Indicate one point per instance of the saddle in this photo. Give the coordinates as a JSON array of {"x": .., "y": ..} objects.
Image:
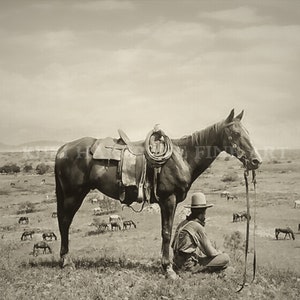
[{"x": 133, "y": 158}]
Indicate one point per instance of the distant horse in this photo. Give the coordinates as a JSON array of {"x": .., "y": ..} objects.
[
  {"x": 115, "y": 222},
  {"x": 240, "y": 216},
  {"x": 115, "y": 226},
  {"x": 97, "y": 211},
  {"x": 224, "y": 194},
  {"x": 297, "y": 203},
  {"x": 77, "y": 172},
  {"x": 128, "y": 224},
  {"x": 49, "y": 236},
  {"x": 41, "y": 245},
  {"x": 231, "y": 197},
  {"x": 27, "y": 234},
  {"x": 101, "y": 225},
  {"x": 23, "y": 220},
  {"x": 94, "y": 201},
  {"x": 288, "y": 231}
]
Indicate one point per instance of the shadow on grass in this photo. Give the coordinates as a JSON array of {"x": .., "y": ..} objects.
[
  {"x": 150, "y": 266},
  {"x": 96, "y": 232}
]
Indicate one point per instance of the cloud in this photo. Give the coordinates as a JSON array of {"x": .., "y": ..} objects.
[
  {"x": 95, "y": 5},
  {"x": 170, "y": 33},
  {"x": 240, "y": 15}
]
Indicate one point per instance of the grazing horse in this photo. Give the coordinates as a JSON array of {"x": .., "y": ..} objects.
[
  {"x": 115, "y": 221},
  {"x": 100, "y": 225},
  {"x": 240, "y": 216},
  {"x": 231, "y": 197},
  {"x": 297, "y": 203},
  {"x": 128, "y": 224},
  {"x": 97, "y": 211},
  {"x": 41, "y": 245},
  {"x": 76, "y": 173},
  {"x": 288, "y": 231},
  {"x": 49, "y": 236},
  {"x": 27, "y": 234},
  {"x": 23, "y": 220}
]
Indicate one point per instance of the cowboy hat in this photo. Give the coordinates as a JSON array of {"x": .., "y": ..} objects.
[{"x": 198, "y": 201}]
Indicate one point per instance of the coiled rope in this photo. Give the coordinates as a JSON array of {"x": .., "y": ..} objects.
[{"x": 157, "y": 159}]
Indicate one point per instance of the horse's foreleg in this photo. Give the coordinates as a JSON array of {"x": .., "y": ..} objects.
[{"x": 167, "y": 207}]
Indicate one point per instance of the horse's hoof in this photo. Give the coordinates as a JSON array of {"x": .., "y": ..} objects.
[
  {"x": 67, "y": 263},
  {"x": 171, "y": 274}
]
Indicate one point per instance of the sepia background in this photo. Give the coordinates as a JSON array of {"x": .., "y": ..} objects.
[
  {"x": 75, "y": 68},
  {"x": 86, "y": 68}
]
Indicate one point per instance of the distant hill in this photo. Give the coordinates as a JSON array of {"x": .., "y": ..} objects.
[{"x": 32, "y": 146}]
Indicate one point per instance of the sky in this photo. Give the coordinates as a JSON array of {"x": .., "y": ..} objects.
[{"x": 74, "y": 68}]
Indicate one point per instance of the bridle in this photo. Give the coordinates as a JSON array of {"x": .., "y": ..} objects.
[
  {"x": 237, "y": 151},
  {"x": 246, "y": 174}
]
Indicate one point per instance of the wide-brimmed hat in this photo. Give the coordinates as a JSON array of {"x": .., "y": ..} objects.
[{"x": 198, "y": 201}]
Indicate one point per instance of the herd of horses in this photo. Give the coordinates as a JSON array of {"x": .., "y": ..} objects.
[
  {"x": 28, "y": 235},
  {"x": 114, "y": 223}
]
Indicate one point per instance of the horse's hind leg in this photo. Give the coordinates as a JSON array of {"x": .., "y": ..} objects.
[{"x": 66, "y": 209}]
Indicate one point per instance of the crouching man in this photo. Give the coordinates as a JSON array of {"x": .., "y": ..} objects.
[{"x": 193, "y": 250}]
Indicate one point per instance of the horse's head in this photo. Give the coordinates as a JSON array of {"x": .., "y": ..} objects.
[{"x": 236, "y": 141}]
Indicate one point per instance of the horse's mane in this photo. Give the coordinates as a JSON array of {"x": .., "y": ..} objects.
[{"x": 200, "y": 138}]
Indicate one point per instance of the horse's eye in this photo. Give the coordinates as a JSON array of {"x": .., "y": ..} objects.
[{"x": 236, "y": 134}]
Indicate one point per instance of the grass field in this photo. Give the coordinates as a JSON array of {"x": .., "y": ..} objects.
[{"x": 126, "y": 264}]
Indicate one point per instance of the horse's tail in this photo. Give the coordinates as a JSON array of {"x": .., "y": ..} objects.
[
  {"x": 276, "y": 233},
  {"x": 58, "y": 189}
]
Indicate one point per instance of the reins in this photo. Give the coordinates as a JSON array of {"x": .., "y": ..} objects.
[
  {"x": 136, "y": 211},
  {"x": 246, "y": 174}
]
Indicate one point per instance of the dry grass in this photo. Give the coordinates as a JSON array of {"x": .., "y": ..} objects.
[{"x": 126, "y": 264}]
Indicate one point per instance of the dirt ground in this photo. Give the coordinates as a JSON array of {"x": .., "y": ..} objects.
[{"x": 277, "y": 189}]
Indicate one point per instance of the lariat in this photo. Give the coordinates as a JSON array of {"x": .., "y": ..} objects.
[{"x": 246, "y": 174}]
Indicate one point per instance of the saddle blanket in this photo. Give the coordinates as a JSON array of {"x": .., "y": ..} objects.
[{"x": 129, "y": 169}]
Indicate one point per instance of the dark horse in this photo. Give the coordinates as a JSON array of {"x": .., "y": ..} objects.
[
  {"x": 27, "y": 234},
  {"x": 41, "y": 245},
  {"x": 49, "y": 236},
  {"x": 240, "y": 216},
  {"x": 128, "y": 224},
  {"x": 288, "y": 231},
  {"x": 76, "y": 173}
]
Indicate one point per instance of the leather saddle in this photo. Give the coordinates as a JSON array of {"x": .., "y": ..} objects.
[{"x": 133, "y": 159}]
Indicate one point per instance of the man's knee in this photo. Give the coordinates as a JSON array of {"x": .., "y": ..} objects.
[{"x": 220, "y": 261}]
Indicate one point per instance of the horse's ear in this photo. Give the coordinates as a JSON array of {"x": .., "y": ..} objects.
[
  {"x": 239, "y": 117},
  {"x": 230, "y": 117}
]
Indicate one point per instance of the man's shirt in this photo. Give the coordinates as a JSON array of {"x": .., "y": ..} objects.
[{"x": 190, "y": 238}]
